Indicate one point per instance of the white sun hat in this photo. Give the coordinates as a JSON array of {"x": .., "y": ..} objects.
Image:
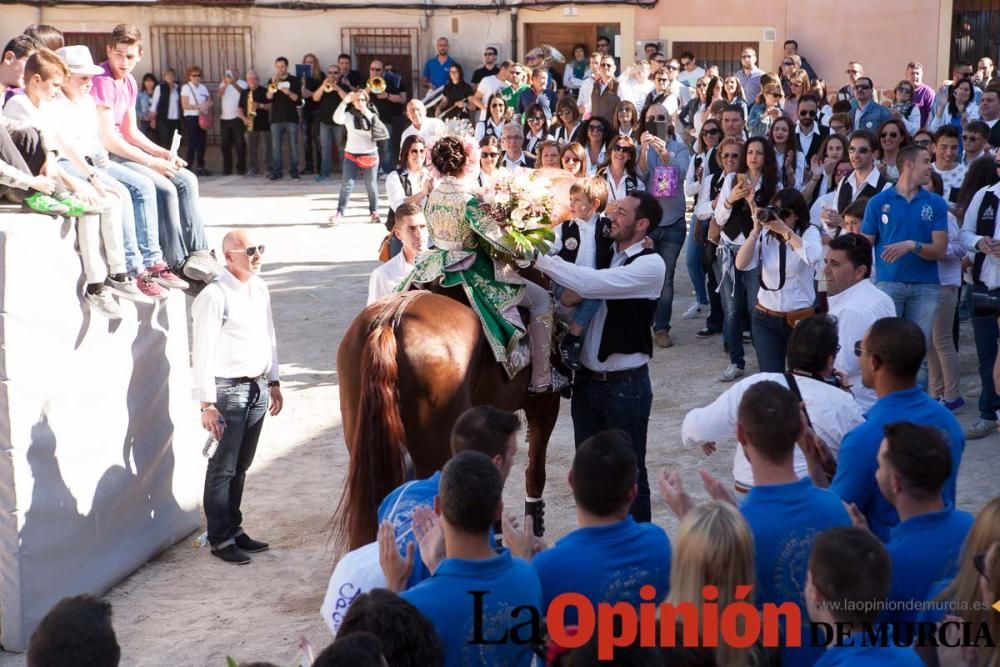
[{"x": 79, "y": 60}]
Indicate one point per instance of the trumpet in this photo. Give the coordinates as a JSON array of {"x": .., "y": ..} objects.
[
  {"x": 273, "y": 86},
  {"x": 328, "y": 85},
  {"x": 376, "y": 85}
]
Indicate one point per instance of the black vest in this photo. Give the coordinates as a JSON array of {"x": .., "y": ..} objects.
[
  {"x": 821, "y": 134},
  {"x": 740, "y": 218},
  {"x": 163, "y": 104},
  {"x": 712, "y": 169},
  {"x": 404, "y": 178},
  {"x": 602, "y": 244},
  {"x": 631, "y": 182},
  {"x": 846, "y": 195},
  {"x": 986, "y": 225},
  {"x": 628, "y": 326},
  {"x": 715, "y": 187}
]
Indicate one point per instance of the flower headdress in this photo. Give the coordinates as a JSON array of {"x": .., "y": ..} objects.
[{"x": 461, "y": 129}]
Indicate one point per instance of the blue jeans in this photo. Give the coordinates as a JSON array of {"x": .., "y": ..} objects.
[
  {"x": 243, "y": 406},
  {"x": 916, "y": 302},
  {"x": 182, "y": 229},
  {"x": 770, "y": 341},
  {"x": 278, "y": 132},
  {"x": 327, "y": 136},
  {"x": 370, "y": 175},
  {"x": 144, "y": 209},
  {"x": 585, "y": 310},
  {"x": 735, "y": 299},
  {"x": 986, "y": 332},
  {"x": 133, "y": 259},
  {"x": 624, "y": 404},
  {"x": 694, "y": 257},
  {"x": 667, "y": 241}
]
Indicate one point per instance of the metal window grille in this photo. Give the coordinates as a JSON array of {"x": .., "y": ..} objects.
[
  {"x": 395, "y": 47},
  {"x": 725, "y": 55},
  {"x": 975, "y": 31},
  {"x": 95, "y": 41}
]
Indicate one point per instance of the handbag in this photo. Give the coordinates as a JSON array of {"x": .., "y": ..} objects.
[
  {"x": 666, "y": 180},
  {"x": 205, "y": 118},
  {"x": 379, "y": 131},
  {"x": 363, "y": 161},
  {"x": 384, "y": 249}
]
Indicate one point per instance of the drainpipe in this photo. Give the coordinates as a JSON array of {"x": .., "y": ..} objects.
[{"x": 513, "y": 33}]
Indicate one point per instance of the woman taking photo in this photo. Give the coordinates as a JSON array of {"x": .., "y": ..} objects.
[
  {"x": 567, "y": 127},
  {"x": 701, "y": 167},
  {"x": 456, "y": 96},
  {"x": 490, "y": 153},
  {"x": 195, "y": 101},
  {"x": 821, "y": 170},
  {"x": 574, "y": 159},
  {"x": 536, "y": 129},
  {"x": 752, "y": 187},
  {"x": 786, "y": 250},
  {"x": 496, "y": 118},
  {"x": 791, "y": 161},
  {"x": 595, "y": 150},
  {"x": 409, "y": 183},
  {"x": 769, "y": 108},
  {"x": 620, "y": 172},
  {"x": 892, "y": 137},
  {"x": 360, "y": 152},
  {"x": 626, "y": 120}
]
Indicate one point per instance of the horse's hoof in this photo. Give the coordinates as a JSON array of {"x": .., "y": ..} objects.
[{"x": 536, "y": 510}]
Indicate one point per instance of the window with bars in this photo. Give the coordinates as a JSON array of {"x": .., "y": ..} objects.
[
  {"x": 395, "y": 47},
  {"x": 95, "y": 41},
  {"x": 975, "y": 31},
  {"x": 725, "y": 55}
]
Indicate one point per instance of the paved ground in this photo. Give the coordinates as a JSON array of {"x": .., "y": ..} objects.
[{"x": 186, "y": 608}]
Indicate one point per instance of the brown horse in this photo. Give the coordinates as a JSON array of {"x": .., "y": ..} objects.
[{"x": 409, "y": 365}]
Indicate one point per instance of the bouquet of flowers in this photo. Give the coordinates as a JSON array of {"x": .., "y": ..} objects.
[{"x": 521, "y": 205}]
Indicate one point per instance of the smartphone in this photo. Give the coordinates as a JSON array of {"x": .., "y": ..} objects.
[
  {"x": 658, "y": 128},
  {"x": 229, "y": 74},
  {"x": 741, "y": 180}
]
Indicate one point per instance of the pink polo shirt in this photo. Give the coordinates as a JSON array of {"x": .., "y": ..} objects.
[{"x": 119, "y": 96}]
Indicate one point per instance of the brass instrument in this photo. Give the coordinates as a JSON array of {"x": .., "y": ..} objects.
[
  {"x": 273, "y": 86},
  {"x": 251, "y": 113},
  {"x": 376, "y": 85}
]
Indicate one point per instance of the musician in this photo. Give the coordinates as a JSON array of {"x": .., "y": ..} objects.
[
  {"x": 284, "y": 93},
  {"x": 231, "y": 125},
  {"x": 456, "y": 96},
  {"x": 328, "y": 96},
  {"x": 390, "y": 105},
  {"x": 255, "y": 112}
]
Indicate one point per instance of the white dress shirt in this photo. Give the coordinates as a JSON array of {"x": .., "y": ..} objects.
[
  {"x": 722, "y": 213},
  {"x": 617, "y": 191},
  {"x": 394, "y": 186},
  {"x": 429, "y": 130},
  {"x": 806, "y": 139},
  {"x": 799, "y": 290},
  {"x": 486, "y": 89},
  {"x": 856, "y": 188},
  {"x": 642, "y": 279},
  {"x": 583, "y": 97},
  {"x": 602, "y": 157},
  {"x": 242, "y": 346},
  {"x": 990, "y": 273},
  {"x": 387, "y": 277},
  {"x": 856, "y": 309},
  {"x": 832, "y": 411},
  {"x": 586, "y": 254}
]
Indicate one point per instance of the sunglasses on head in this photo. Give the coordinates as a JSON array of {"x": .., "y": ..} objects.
[{"x": 254, "y": 250}]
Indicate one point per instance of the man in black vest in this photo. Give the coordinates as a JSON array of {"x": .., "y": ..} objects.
[
  {"x": 979, "y": 235},
  {"x": 808, "y": 129},
  {"x": 167, "y": 104},
  {"x": 612, "y": 389}
]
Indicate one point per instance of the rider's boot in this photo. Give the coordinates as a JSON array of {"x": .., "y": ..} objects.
[{"x": 540, "y": 340}]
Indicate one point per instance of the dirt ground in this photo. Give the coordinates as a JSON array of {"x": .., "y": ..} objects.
[{"x": 187, "y": 608}]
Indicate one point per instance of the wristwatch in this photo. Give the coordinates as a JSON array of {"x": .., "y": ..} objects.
[
  {"x": 273, "y": 383},
  {"x": 917, "y": 247}
]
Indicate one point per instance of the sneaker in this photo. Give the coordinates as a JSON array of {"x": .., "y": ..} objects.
[
  {"x": 706, "y": 333},
  {"x": 232, "y": 554},
  {"x": 201, "y": 265},
  {"x": 74, "y": 207},
  {"x": 747, "y": 337},
  {"x": 953, "y": 405},
  {"x": 102, "y": 302},
  {"x": 321, "y": 178},
  {"x": 43, "y": 203},
  {"x": 981, "y": 429},
  {"x": 663, "y": 339},
  {"x": 731, "y": 373},
  {"x": 336, "y": 218},
  {"x": 250, "y": 545},
  {"x": 127, "y": 289},
  {"x": 692, "y": 312},
  {"x": 295, "y": 176},
  {"x": 374, "y": 219},
  {"x": 162, "y": 275},
  {"x": 145, "y": 283}
]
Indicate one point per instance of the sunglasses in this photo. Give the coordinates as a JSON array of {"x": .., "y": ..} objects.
[
  {"x": 595, "y": 128},
  {"x": 904, "y": 90},
  {"x": 660, "y": 118},
  {"x": 489, "y": 53},
  {"x": 498, "y": 106},
  {"x": 807, "y": 113},
  {"x": 699, "y": 85},
  {"x": 796, "y": 84},
  {"x": 570, "y": 158},
  {"x": 254, "y": 250},
  {"x": 971, "y": 137},
  {"x": 860, "y": 150},
  {"x": 889, "y": 135},
  {"x": 788, "y": 63},
  {"x": 673, "y": 67},
  {"x": 489, "y": 154},
  {"x": 620, "y": 148},
  {"x": 711, "y": 132},
  {"x": 922, "y": 142},
  {"x": 862, "y": 86}
]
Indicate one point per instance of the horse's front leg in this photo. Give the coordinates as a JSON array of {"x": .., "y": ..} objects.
[{"x": 541, "y": 411}]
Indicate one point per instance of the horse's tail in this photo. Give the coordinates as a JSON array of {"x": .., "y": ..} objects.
[{"x": 377, "y": 461}]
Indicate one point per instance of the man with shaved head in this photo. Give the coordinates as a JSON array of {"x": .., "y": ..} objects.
[{"x": 235, "y": 357}]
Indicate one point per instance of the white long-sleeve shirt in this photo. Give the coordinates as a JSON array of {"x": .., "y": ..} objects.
[
  {"x": 642, "y": 279},
  {"x": 832, "y": 411},
  {"x": 386, "y": 278},
  {"x": 394, "y": 186},
  {"x": 856, "y": 309},
  {"x": 244, "y": 345},
  {"x": 359, "y": 142},
  {"x": 586, "y": 254},
  {"x": 990, "y": 273},
  {"x": 799, "y": 290}
]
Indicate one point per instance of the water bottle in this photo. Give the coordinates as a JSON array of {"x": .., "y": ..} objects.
[{"x": 212, "y": 444}]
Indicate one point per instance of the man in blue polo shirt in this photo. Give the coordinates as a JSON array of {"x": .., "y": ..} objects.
[
  {"x": 908, "y": 225},
  {"x": 610, "y": 556},
  {"x": 914, "y": 463},
  {"x": 436, "y": 69},
  {"x": 483, "y": 429},
  {"x": 847, "y": 585},
  {"x": 890, "y": 357},
  {"x": 477, "y": 597}
]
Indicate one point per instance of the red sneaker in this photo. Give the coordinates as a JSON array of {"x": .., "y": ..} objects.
[
  {"x": 162, "y": 275},
  {"x": 144, "y": 281}
]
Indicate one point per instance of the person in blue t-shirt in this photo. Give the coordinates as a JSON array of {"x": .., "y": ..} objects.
[
  {"x": 914, "y": 463},
  {"x": 908, "y": 225},
  {"x": 484, "y": 605},
  {"x": 890, "y": 357},
  {"x": 483, "y": 429},
  {"x": 785, "y": 513},
  {"x": 436, "y": 70},
  {"x": 610, "y": 556},
  {"x": 847, "y": 585}
]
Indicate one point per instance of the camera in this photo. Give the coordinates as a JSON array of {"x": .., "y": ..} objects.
[
  {"x": 985, "y": 305},
  {"x": 768, "y": 214}
]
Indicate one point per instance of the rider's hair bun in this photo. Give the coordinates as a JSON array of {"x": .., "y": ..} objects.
[{"x": 448, "y": 156}]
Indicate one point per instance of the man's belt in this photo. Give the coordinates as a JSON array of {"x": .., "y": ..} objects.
[
  {"x": 239, "y": 380},
  {"x": 611, "y": 376},
  {"x": 791, "y": 317}
]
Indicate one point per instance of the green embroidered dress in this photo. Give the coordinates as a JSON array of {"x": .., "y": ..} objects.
[{"x": 462, "y": 236}]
